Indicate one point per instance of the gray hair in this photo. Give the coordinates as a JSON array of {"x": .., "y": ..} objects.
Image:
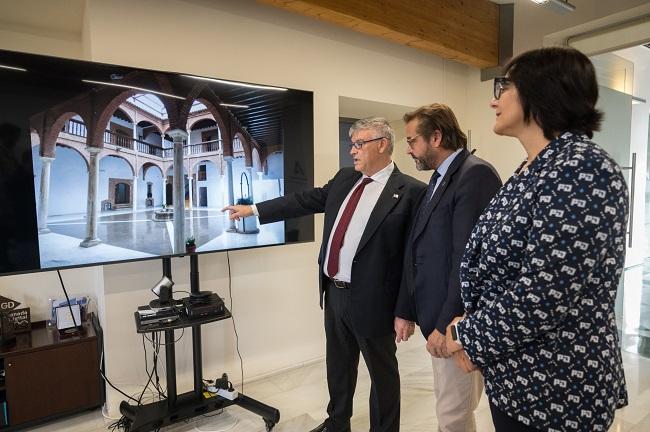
[{"x": 377, "y": 124}]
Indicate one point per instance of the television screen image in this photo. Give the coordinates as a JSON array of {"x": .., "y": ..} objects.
[{"x": 98, "y": 161}]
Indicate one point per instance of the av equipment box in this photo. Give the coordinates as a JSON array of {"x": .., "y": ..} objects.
[{"x": 211, "y": 306}]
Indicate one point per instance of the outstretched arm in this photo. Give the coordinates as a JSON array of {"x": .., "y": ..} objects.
[{"x": 238, "y": 211}]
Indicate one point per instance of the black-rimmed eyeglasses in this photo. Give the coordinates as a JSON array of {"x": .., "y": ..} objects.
[
  {"x": 500, "y": 84},
  {"x": 359, "y": 143}
]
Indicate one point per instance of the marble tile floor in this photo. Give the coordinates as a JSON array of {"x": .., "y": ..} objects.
[
  {"x": 301, "y": 396},
  {"x": 126, "y": 236}
]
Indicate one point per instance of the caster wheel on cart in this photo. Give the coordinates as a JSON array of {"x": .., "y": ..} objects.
[{"x": 269, "y": 425}]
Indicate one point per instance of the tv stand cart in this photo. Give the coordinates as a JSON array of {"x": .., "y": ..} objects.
[{"x": 152, "y": 416}]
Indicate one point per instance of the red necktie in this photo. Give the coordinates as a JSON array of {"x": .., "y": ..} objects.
[{"x": 342, "y": 227}]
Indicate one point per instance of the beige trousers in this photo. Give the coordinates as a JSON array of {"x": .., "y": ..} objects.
[{"x": 457, "y": 396}]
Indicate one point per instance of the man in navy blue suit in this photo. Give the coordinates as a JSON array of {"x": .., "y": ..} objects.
[{"x": 460, "y": 188}]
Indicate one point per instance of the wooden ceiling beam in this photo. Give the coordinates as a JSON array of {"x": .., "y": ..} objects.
[{"x": 463, "y": 30}]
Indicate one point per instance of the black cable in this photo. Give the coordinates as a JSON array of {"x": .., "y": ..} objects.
[
  {"x": 161, "y": 392},
  {"x": 74, "y": 321},
  {"x": 118, "y": 425},
  {"x": 234, "y": 326},
  {"x": 111, "y": 384},
  {"x": 146, "y": 369},
  {"x": 149, "y": 374},
  {"x": 155, "y": 349},
  {"x": 155, "y": 345},
  {"x": 101, "y": 372},
  {"x": 122, "y": 424},
  {"x": 172, "y": 342},
  {"x": 139, "y": 400}
]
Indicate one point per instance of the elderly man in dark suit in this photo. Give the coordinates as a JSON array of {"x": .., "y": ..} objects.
[
  {"x": 460, "y": 188},
  {"x": 368, "y": 211}
]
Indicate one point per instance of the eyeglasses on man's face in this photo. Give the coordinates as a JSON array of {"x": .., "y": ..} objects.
[
  {"x": 411, "y": 140},
  {"x": 500, "y": 84},
  {"x": 359, "y": 143}
]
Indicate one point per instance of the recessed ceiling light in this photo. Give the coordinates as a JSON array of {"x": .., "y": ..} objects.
[
  {"x": 233, "y": 105},
  {"x": 559, "y": 6},
  {"x": 237, "y": 83},
  {"x": 134, "y": 88},
  {"x": 13, "y": 68}
]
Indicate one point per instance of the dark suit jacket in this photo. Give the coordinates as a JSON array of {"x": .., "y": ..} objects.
[
  {"x": 377, "y": 265},
  {"x": 430, "y": 291}
]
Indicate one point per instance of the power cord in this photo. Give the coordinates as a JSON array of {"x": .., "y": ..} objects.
[
  {"x": 170, "y": 343},
  {"x": 74, "y": 321},
  {"x": 123, "y": 424},
  {"x": 234, "y": 326},
  {"x": 101, "y": 372},
  {"x": 111, "y": 384},
  {"x": 146, "y": 368},
  {"x": 223, "y": 382},
  {"x": 156, "y": 353}
]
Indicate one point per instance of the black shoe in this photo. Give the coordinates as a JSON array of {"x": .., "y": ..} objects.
[{"x": 321, "y": 428}]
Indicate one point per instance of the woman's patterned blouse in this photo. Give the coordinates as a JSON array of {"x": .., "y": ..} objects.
[{"x": 539, "y": 278}]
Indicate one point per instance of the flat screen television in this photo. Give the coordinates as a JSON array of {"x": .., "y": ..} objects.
[{"x": 97, "y": 161}]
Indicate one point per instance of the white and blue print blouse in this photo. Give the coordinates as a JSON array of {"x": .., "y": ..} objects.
[{"x": 539, "y": 278}]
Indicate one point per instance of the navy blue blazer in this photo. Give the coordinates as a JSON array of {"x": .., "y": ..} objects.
[
  {"x": 430, "y": 290},
  {"x": 377, "y": 264}
]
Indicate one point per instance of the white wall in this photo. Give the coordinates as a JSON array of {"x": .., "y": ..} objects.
[
  {"x": 274, "y": 289},
  {"x": 68, "y": 181},
  {"x": 34, "y": 290},
  {"x": 153, "y": 175},
  {"x": 213, "y": 184},
  {"x": 111, "y": 167},
  {"x": 533, "y": 22},
  {"x": 32, "y": 40},
  {"x": 275, "y": 166},
  {"x": 502, "y": 152}
]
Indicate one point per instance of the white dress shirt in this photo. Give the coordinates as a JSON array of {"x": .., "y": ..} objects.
[{"x": 360, "y": 217}]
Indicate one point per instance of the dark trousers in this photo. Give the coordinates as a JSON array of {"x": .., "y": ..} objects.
[
  {"x": 342, "y": 358},
  {"x": 504, "y": 423}
]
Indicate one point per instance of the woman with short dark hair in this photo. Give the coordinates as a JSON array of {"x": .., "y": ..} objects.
[{"x": 541, "y": 269}]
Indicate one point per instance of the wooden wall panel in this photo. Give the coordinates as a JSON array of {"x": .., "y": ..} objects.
[{"x": 463, "y": 30}]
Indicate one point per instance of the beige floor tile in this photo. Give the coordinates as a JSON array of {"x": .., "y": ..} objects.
[{"x": 301, "y": 396}]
